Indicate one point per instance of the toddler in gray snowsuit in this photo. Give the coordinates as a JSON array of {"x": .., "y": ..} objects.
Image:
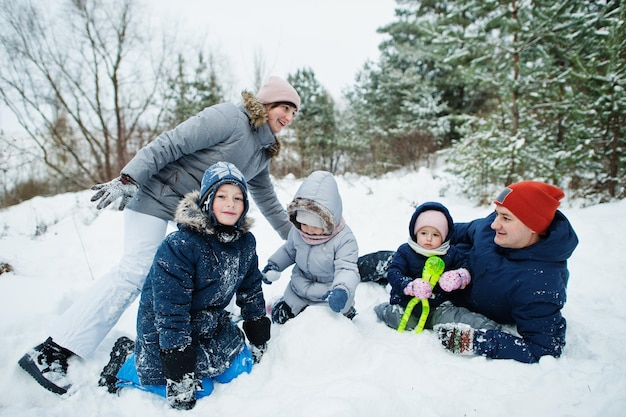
[{"x": 321, "y": 247}]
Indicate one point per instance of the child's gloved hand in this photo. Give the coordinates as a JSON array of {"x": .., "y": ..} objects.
[
  {"x": 337, "y": 299},
  {"x": 257, "y": 352},
  {"x": 418, "y": 288},
  {"x": 181, "y": 395},
  {"x": 258, "y": 333},
  {"x": 270, "y": 273},
  {"x": 455, "y": 279}
]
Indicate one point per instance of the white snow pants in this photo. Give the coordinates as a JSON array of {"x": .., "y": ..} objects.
[{"x": 83, "y": 326}]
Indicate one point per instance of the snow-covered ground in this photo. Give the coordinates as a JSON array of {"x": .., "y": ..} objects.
[{"x": 320, "y": 364}]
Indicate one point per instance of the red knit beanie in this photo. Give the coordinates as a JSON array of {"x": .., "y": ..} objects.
[
  {"x": 534, "y": 203},
  {"x": 276, "y": 90}
]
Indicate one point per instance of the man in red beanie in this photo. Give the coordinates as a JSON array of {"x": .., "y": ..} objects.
[{"x": 519, "y": 277}]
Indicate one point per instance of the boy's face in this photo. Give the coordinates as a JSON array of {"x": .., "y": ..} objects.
[
  {"x": 228, "y": 204},
  {"x": 428, "y": 237},
  {"x": 510, "y": 231}
]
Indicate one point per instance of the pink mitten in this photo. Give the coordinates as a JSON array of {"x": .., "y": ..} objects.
[
  {"x": 453, "y": 280},
  {"x": 419, "y": 288}
]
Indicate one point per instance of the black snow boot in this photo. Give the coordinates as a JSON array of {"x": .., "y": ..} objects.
[
  {"x": 351, "y": 313},
  {"x": 47, "y": 363},
  {"x": 122, "y": 349},
  {"x": 281, "y": 312}
]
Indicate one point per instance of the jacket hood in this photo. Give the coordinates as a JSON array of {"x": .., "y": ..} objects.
[
  {"x": 257, "y": 112},
  {"x": 188, "y": 214},
  {"x": 319, "y": 195},
  {"x": 431, "y": 205}
]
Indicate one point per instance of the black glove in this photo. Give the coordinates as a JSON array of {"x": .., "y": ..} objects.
[
  {"x": 123, "y": 186},
  {"x": 258, "y": 333},
  {"x": 181, "y": 385},
  {"x": 181, "y": 395},
  {"x": 257, "y": 351},
  {"x": 281, "y": 312}
]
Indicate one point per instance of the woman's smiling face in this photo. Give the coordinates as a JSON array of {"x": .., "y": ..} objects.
[{"x": 280, "y": 116}]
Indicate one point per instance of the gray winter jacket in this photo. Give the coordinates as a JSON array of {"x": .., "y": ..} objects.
[
  {"x": 319, "y": 268},
  {"x": 173, "y": 164}
]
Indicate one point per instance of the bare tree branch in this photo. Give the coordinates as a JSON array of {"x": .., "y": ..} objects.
[{"x": 82, "y": 83}]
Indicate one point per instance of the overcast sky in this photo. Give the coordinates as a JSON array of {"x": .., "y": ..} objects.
[{"x": 332, "y": 37}]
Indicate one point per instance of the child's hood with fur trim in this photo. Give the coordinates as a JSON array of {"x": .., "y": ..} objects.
[{"x": 318, "y": 194}]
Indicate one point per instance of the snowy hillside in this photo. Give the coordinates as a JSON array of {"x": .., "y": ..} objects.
[{"x": 321, "y": 364}]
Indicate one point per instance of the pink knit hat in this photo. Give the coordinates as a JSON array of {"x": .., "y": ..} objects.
[
  {"x": 432, "y": 218},
  {"x": 276, "y": 90}
]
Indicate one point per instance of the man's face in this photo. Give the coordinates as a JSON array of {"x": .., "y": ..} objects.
[{"x": 510, "y": 231}]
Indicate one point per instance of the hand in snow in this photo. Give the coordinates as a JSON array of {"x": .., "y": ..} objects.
[
  {"x": 258, "y": 333},
  {"x": 258, "y": 351},
  {"x": 419, "y": 288},
  {"x": 181, "y": 395},
  {"x": 270, "y": 273},
  {"x": 454, "y": 280},
  {"x": 337, "y": 299},
  {"x": 123, "y": 186}
]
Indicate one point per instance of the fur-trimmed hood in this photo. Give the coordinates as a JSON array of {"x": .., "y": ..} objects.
[
  {"x": 258, "y": 117},
  {"x": 189, "y": 215},
  {"x": 319, "y": 195},
  {"x": 256, "y": 109}
]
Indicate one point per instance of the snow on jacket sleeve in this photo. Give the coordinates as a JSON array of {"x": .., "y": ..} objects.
[
  {"x": 173, "y": 287},
  {"x": 250, "y": 294},
  {"x": 539, "y": 322},
  {"x": 497, "y": 344}
]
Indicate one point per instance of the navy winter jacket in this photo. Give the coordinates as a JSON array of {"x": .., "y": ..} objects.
[
  {"x": 192, "y": 280},
  {"x": 522, "y": 287}
]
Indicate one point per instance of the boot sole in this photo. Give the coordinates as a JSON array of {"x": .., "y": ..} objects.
[
  {"x": 121, "y": 350},
  {"x": 27, "y": 364}
]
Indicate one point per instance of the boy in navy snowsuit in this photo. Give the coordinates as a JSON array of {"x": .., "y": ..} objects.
[{"x": 185, "y": 336}]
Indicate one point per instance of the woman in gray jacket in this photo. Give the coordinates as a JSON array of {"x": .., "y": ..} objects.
[
  {"x": 323, "y": 249},
  {"x": 152, "y": 184}
]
